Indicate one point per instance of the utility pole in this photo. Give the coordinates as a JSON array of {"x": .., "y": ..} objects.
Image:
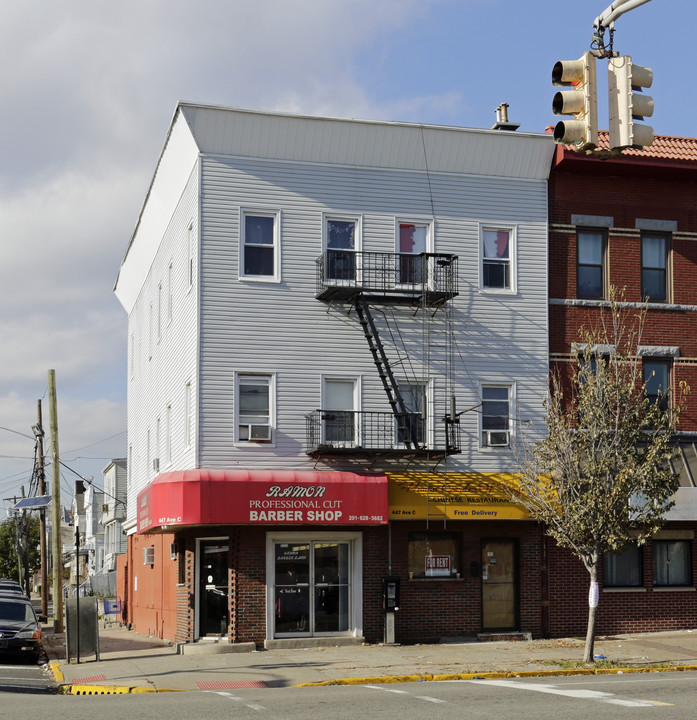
[
  {"x": 39, "y": 433},
  {"x": 56, "y": 542}
]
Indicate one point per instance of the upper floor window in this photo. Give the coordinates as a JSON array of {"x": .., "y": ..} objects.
[
  {"x": 654, "y": 267},
  {"x": 657, "y": 380},
  {"x": 339, "y": 412},
  {"x": 254, "y": 408},
  {"x": 260, "y": 245},
  {"x": 170, "y": 291},
  {"x": 412, "y": 243},
  {"x": 497, "y": 259},
  {"x": 591, "y": 262},
  {"x": 411, "y": 428},
  {"x": 191, "y": 255},
  {"x": 341, "y": 243},
  {"x": 495, "y": 415},
  {"x": 188, "y": 415}
]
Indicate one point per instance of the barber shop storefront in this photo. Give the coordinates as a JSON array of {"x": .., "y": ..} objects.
[{"x": 259, "y": 556}]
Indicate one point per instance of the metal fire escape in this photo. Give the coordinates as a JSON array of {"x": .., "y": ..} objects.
[
  {"x": 394, "y": 397},
  {"x": 425, "y": 282}
]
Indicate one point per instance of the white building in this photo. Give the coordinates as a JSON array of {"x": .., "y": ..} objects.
[
  {"x": 113, "y": 512},
  {"x": 313, "y": 295}
]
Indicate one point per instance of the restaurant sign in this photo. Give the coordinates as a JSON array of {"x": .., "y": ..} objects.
[{"x": 456, "y": 496}]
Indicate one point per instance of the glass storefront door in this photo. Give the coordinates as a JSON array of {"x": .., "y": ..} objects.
[
  {"x": 311, "y": 588},
  {"x": 213, "y": 588}
]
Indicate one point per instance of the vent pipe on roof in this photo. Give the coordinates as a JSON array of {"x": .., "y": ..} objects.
[{"x": 502, "y": 119}]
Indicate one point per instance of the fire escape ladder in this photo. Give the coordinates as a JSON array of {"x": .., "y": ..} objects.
[{"x": 405, "y": 422}]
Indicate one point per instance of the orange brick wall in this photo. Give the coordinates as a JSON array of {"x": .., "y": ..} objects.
[{"x": 152, "y": 590}]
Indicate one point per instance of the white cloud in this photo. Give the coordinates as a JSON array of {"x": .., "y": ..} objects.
[{"x": 89, "y": 89}]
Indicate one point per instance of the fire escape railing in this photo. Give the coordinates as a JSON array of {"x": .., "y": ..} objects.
[
  {"x": 352, "y": 432},
  {"x": 393, "y": 277}
]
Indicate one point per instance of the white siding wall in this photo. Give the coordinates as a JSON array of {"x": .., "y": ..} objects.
[
  {"x": 162, "y": 366},
  {"x": 280, "y": 328},
  {"x": 224, "y": 324}
]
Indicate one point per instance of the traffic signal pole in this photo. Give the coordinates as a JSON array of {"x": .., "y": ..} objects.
[{"x": 626, "y": 81}]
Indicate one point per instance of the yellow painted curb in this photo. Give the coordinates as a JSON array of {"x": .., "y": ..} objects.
[
  {"x": 112, "y": 690},
  {"x": 57, "y": 672},
  {"x": 494, "y": 675}
]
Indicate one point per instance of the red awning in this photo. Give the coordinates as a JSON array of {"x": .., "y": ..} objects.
[{"x": 259, "y": 497}]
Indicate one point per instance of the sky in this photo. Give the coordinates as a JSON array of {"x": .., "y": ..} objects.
[{"x": 89, "y": 89}]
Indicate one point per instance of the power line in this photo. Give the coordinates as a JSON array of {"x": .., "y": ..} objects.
[{"x": 31, "y": 437}]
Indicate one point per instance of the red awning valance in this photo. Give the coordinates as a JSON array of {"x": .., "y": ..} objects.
[{"x": 287, "y": 497}]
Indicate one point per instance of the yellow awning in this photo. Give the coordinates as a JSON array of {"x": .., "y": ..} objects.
[{"x": 457, "y": 496}]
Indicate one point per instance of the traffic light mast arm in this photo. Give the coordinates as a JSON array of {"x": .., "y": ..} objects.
[{"x": 607, "y": 20}]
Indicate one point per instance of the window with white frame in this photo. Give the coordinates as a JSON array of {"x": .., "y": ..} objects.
[
  {"x": 411, "y": 428},
  {"x": 158, "y": 448},
  {"x": 190, "y": 255},
  {"x": 170, "y": 290},
  {"x": 412, "y": 244},
  {"x": 495, "y": 416},
  {"x": 260, "y": 251},
  {"x": 340, "y": 428},
  {"x": 168, "y": 435},
  {"x": 150, "y": 332},
  {"x": 159, "y": 312},
  {"x": 254, "y": 408},
  {"x": 188, "y": 415},
  {"x": 341, "y": 244},
  {"x": 497, "y": 253}
]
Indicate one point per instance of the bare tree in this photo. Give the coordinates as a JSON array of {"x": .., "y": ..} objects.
[{"x": 600, "y": 478}]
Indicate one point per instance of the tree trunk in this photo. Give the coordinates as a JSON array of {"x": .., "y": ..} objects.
[{"x": 592, "y": 607}]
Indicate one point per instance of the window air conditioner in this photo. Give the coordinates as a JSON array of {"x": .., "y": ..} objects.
[
  {"x": 256, "y": 433},
  {"x": 496, "y": 438}
]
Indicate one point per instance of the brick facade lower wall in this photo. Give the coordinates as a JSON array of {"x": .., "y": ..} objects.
[
  {"x": 552, "y": 587},
  {"x": 644, "y": 609},
  {"x": 433, "y": 609}
]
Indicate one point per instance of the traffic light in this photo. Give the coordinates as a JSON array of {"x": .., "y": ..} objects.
[
  {"x": 581, "y": 102},
  {"x": 627, "y": 103}
]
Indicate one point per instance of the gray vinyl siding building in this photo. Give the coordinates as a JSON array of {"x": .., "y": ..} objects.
[
  {"x": 231, "y": 353},
  {"x": 305, "y": 170}
]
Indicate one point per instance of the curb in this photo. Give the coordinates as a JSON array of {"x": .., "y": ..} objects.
[
  {"x": 111, "y": 690},
  {"x": 497, "y": 675},
  {"x": 70, "y": 689}
]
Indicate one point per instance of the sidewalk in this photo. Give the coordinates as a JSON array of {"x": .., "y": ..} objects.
[{"x": 130, "y": 662}]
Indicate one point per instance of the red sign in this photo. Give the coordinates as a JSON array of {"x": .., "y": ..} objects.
[{"x": 260, "y": 497}]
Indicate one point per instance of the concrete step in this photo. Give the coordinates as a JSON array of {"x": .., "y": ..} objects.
[{"x": 504, "y": 636}]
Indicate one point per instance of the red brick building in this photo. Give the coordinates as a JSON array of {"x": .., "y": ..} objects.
[{"x": 630, "y": 222}]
